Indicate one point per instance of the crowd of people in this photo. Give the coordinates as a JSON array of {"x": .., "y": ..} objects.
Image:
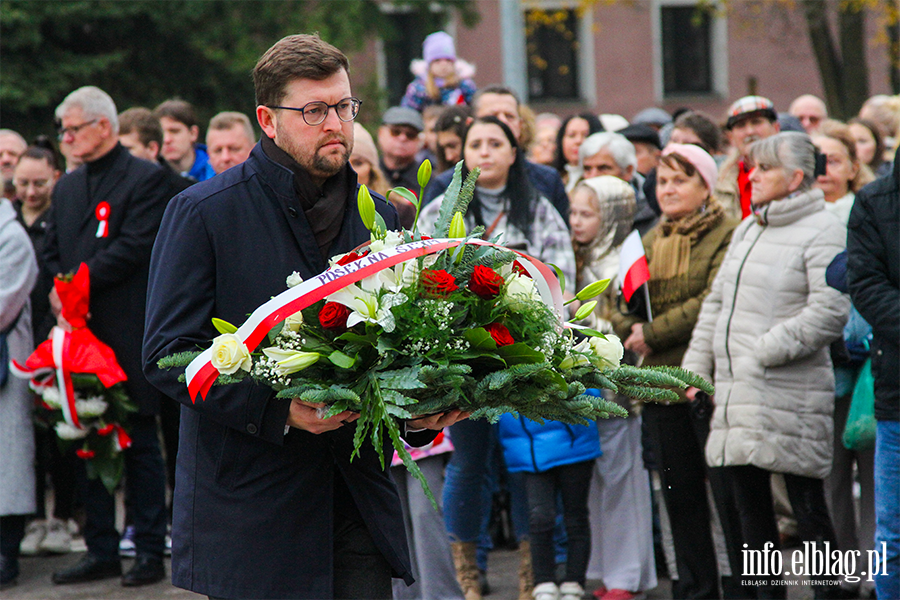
[{"x": 764, "y": 232}]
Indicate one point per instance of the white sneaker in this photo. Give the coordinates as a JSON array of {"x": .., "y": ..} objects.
[
  {"x": 126, "y": 544},
  {"x": 58, "y": 539},
  {"x": 34, "y": 535},
  {"x": 545, "y": 591},
  {"x": 571, "y": 590}
]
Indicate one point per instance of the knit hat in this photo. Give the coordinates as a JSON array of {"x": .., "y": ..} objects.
[
  {"x": 700, "y": 158},
  {"x": 438, "y": 45},
  {"x": 748, "y": 106},
  {"x": 652, "y": 116},
  {"x": 364, "y": 145}
]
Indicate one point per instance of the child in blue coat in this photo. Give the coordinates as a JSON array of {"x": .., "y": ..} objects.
[{"x": 557, "y": 460}]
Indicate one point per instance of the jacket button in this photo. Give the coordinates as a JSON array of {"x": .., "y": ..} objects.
[
  {"x": 292, "y": 211},
  {"x": 252, "y": 429}
]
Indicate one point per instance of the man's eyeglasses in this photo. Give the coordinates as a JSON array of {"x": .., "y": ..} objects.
[
  {"x": 74, "y": 129},
  {"x": 315, "y": 113},
  {"x": 409, "y": 133}
]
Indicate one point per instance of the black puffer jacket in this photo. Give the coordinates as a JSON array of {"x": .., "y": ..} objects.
[{"x": 873, "y": 275}]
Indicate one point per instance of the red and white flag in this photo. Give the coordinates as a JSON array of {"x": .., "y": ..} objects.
[{"x": 633, "y": 270}]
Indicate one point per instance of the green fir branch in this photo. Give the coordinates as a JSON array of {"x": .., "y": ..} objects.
[{"x": 179, "y": 359}]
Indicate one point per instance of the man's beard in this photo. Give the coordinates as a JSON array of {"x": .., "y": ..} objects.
[{"x": 316, "y": 164}]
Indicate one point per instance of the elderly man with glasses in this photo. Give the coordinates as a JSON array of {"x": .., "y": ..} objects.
[
  {"x": 267, "y": 503},
  {"x": 105, "y": 214}
]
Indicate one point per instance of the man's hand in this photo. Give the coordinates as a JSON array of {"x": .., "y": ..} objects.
[
  {"x": 438, "y": 421},
  {"x": 56, "y": 308},
  {"x": 635, "y": 341},
  {"x": 305, "y": 416}
]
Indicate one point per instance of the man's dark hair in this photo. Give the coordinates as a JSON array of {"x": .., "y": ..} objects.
[
  {"x": 704, "y": 127},
  {"x": 495, "y": 89},
  {"x": 177, "y": 109},
  {"x": 141, "y": 121},
  {"x": 302, "y": 56}
]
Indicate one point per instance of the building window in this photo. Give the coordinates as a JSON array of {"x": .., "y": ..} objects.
[
  {"x": 687, "y": 50},
  {"x": 552, "y": 47},
  {"x": 402, "y": 43},
  {"x": 690, "y": 49}
]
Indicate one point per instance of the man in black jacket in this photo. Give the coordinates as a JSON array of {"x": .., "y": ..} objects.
[
  {"x": 873, "y": 275},
  {"x": 267, "y": 501},
  {"x": 106, "y": 214}
]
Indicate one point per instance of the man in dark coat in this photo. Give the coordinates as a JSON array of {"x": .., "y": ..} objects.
[
  {"x": 267, "y": 501},
  {"x": 873, "y": 276},
  {"x": 106, "y": 214}
]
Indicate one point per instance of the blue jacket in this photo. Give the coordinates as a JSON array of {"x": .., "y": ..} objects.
[
  {"x": 201, "y": 170},
  {"x": 529, "y": 446}
]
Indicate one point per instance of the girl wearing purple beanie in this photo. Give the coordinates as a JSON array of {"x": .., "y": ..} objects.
[{"x": 441, "y": 78}]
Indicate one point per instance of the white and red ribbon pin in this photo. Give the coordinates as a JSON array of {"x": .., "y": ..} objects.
[{"x": 102, "y": 214}]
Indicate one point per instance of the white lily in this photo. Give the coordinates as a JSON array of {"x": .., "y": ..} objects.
[
  {"x": 290, "y": 361},
  {"x": 391, "y": 240},
  {"x": 368, "y": 307}
]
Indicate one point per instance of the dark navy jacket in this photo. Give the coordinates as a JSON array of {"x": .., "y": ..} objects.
[{"x": 253, "y": 507}]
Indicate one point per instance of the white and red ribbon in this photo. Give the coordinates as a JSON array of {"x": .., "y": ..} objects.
[
  {"x": 201, "y": 374},
  {"x": 63, "y": 377},
  {"x": 102, "y": 214}
]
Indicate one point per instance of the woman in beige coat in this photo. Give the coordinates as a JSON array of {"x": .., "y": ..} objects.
[{"x": 762, "y": 336}]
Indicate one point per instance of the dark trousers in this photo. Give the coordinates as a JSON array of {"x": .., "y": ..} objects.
[
  {"x": 572, "y": 484},
  {"x": 12, "y": 532},
  {"x": 753, "y": 495},
  {"x": 61, "y": 467},
  {"x": 682, "y": 467},
  {"x": 145, "y": 490}
]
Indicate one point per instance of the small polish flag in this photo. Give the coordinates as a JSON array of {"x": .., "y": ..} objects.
[{"x": 633, "y": 270}]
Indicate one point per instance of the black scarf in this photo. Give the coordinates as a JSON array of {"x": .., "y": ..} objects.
[{"x": 324, "y": 208}]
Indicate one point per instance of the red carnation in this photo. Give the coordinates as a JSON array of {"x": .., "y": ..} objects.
[
  {"x": 438, "y": 283},
  {"x": 106, "y": 430},
  {"x": 85, "y": 454},
  {"x": 334, "y": 316},
  {"x": 500, "y": 334},
  {"x": 518, "y": 268},
  {"x": 349, "y": 258},
  {"x": 485, "y": 282}
]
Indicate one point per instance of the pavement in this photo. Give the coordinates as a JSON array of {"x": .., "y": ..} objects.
[{"x": 34, "y": 583}]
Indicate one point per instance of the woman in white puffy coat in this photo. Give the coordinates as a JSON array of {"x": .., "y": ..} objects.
[{"x": 763, "y": 336}]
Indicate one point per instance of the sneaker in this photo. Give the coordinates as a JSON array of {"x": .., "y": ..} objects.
[
  {"x": 617, "y": 594},
  {"x": 545, "y": 591},
  {"x": 600, "y": 592},
  {"x": 58, "y": 539},
  {"x": 571, "y": 590},
  {"x": 126, "y": 544},
  {"x": 34, "y": 535},
  {"x": 167, "y": 551}
]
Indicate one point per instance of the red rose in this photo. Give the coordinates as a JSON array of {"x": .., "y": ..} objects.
[
  {"x": 106, "y": 430},
  {"x": 438, "y": 283},
  {"x": 85, "y": 454},
  {"x": 485, "y": 282},
  {"x": 518, "y": 268},
  {"x": 334, "y": 316},
  {"x": 349, "y": 258},
  {"x": 500, "y": 334}
]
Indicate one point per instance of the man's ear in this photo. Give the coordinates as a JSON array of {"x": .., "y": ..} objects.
[
  {"x": 265, "y": 116},
  {"x": 153, "y": 145},
  {"x": 195, "y": 133}
]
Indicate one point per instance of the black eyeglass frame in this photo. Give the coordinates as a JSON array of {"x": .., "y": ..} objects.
[
  {"x": 74, "y": 129},
  {"x": 355, "y": 103}
]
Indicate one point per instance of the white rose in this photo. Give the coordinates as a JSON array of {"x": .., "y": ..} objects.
[
  {"x": 391, "y": 240},
  {"x": 521, "y": 291},
  {"x": 294, "y": 279},
  {"x": 230, "y": 354},
  {"x": 93, "y": 407},
  {"x": 609, "y": 350},
  {"x": 66, "y": 432},
  {"x": 294, "y": 322}
]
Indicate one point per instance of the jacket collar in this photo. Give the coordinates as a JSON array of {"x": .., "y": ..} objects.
[{"x": 779, "y": 213}]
